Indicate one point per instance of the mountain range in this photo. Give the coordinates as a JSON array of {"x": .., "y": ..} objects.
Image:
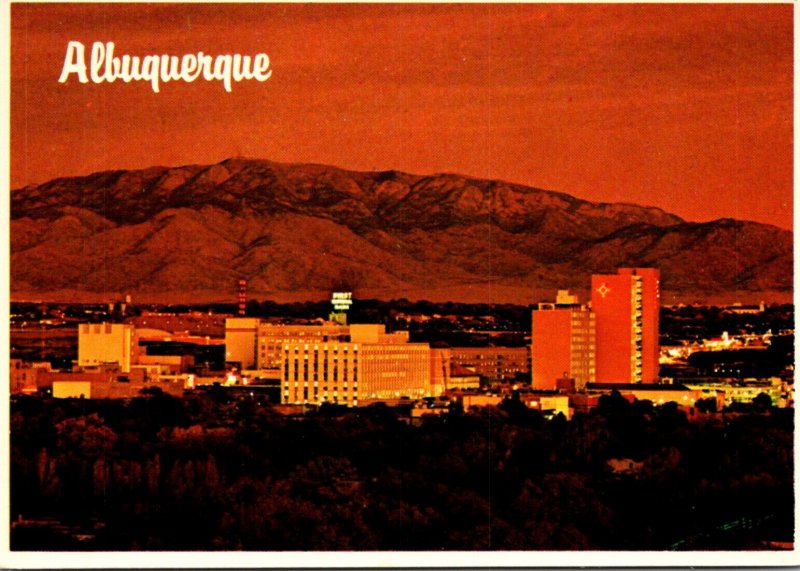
[{"x": 297, "y": 231}]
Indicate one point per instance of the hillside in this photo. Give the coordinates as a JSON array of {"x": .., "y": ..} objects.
[{"x": 297, "y": 231}]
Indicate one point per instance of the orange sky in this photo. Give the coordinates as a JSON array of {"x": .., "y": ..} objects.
[{"x": 686, "y": 107}]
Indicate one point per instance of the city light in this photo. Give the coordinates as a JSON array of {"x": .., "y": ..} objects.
[{"x": 342, "y": 300}]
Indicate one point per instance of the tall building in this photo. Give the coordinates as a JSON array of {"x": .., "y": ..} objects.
[
  {"x": 107, "y": 343},
  {"x": 562, "y": 343},
  {"x": 626, "y": 306}
]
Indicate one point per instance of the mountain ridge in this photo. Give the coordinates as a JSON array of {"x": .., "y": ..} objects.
[{"x": 288, "y": 227}]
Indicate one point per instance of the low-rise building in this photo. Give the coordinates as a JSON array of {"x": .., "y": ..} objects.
[
  {"x": 110, "y": 383},
  {"x": 168, "y": 364},
  {"x": 463, "y": 378},
  {"x": 477, "y": 399},
  {"x": 658, "y": 394},
  {"x": 494, "y": 364},
  {"x": 741, "y": 391},
  {"x": 25, "y": 376}
]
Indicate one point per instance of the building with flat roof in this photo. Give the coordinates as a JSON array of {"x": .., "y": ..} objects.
[
  {"x": 562, "y": 343},
  {"x": 241, "y": 335},
  {"x": 740, "y": 391},
  {"x": 106, "y": 384},
  {"x": 338, "y": 363},
  {"x": 494, "y": 364},
  {"x": 271, "y": 338},
  {"x": 656, "y": 393},
  {"x": 626, "y": 306},
  {"x": 315, "y": 371},
  {"x": 106, "y": 344},
  {"x": 25, "y": 376}
]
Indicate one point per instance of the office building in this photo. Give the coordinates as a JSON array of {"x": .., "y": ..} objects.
[
  {"x": 351, "y": 373},
  {"x": 338, "y": 363},
  {"x": 462, "y": 378},
  {"x": 271, "y": 338},
  {"x": 626, "y": 306},
  {"x": 562, "y": 343}
]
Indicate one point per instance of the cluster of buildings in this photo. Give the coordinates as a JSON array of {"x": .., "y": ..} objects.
[
  {"x": 577, "y": 353},
  {"x": 614, "y": 339},
  {"x": 112, "y": 363},
  {"x": 354, "y": 364},
  {"x": 335, "y": 362}
]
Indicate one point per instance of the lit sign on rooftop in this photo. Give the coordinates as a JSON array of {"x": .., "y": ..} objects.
[{"x": 342, "y": 300}]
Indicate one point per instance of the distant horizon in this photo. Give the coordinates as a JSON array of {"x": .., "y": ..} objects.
[
  {"x": 420, "y": 174},
  {"x": 669, "y": 298}
]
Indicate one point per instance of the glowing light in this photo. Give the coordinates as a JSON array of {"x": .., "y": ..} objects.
[{"x": 342, "y": 300}]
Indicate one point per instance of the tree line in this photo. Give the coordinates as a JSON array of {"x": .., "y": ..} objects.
[{"x": 212, "y": 473}]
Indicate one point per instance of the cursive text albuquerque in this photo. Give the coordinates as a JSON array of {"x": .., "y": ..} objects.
[{"x": 157, "y": 69}]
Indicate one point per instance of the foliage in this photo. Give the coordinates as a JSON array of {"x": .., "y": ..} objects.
[{"x": 202, "y": 473}]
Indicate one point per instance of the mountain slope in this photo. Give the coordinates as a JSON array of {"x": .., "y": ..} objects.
[{"x": 295, "y": 231}]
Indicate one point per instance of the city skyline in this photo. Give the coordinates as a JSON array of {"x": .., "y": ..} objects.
[
  {"x": 615, "y": 103},
  {"x": 274, "y": 288},
  {"x": 163, "y": 406}
]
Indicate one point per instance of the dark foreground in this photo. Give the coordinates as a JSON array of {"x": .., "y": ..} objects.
[{"x": 203, "y": 473}]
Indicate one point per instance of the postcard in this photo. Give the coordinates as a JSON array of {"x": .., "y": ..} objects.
[{"x": 390, "y": 284}]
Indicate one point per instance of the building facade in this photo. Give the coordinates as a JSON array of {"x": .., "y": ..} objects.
[
  {"x": 25, "y": 376},
  {"x": 107, "y": 343},
  {"x": 494, "y": 364},
  {"x": 626, "y": 306},
  {"x": 272, "y": 337},
  {"x": 441, "y": 363},
  {"x": 347, "y": 373},
  {"x": 563, "y": 343},
  {"x": 241, "y": 341}
]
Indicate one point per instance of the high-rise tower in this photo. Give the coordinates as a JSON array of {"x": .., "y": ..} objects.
[
  {"x": 626, "y": 309},
  {"x": 562, "y": 343}
]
